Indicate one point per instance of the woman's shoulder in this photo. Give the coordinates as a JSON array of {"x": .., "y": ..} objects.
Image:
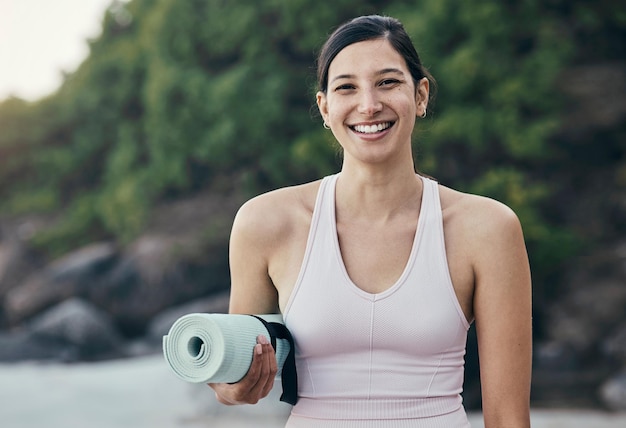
[
  {"x": 277, "y": 211},
  {"x": 478, "y": 216}
]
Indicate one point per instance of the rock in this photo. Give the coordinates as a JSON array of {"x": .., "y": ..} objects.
[
  {"x": 555, "y": 356},
  {"x": 73, "y": 330},
  {"x": 582, "y": 318},
  {"x": 160, "y": 325},
  {"x": 83, "y": 331},
  {"x": 22, "y": 346},
  {"x": 152, "y": 342},
  {"x": 613, "y": 392},
  {"x": 183, "y": 255},
  {"x": 152, "y": 276},
  {"x": 583, "y": 344},
  {"x": 67, "y": 277},
  {"x": 16, "y": 263},
  {"x": 84, "y": 263},
  {"x": 147, "y": 279},
  {"x": 35, "y": 294},
  {"x": 614, "y": 346}
]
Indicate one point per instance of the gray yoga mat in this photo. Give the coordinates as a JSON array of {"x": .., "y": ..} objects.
[{"x": 207, "y": 348}]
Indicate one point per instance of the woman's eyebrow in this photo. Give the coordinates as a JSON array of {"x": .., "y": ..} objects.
[
  {"x": 342, "y": 76},
  {"x": 390, "y": 70},
  {"x": 378, "y": 73}
]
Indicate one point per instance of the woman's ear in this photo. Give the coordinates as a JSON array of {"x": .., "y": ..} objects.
[
  {"x": 322, "y": 104},
  {"x": 421, "y": 96}
]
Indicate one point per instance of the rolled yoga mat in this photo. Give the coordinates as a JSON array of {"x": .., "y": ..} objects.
[{"x": 218, "y": 348}]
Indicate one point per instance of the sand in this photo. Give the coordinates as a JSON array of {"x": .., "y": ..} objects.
[{"x": 143, "y": 393}]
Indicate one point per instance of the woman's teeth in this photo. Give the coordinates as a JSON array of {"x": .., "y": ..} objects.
[{"x": 372, "y": 129}]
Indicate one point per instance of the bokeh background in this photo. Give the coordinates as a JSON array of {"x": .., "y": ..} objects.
[{"x": 119, "y": 181}]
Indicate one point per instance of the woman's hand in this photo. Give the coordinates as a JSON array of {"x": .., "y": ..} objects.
[{"x": 257, "y": 383}]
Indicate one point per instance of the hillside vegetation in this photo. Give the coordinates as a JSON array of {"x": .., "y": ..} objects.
[{"x": 179, "y": 97}]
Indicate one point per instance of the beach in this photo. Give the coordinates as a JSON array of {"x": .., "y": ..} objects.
[{"x": 143, "y": 393}]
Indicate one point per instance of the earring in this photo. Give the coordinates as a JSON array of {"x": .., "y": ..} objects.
[
  {"x": 423, "y": 115},
  {"x": 326, "y": 125}
]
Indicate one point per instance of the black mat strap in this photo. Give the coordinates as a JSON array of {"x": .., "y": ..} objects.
[{"x": 289, "y": 376}]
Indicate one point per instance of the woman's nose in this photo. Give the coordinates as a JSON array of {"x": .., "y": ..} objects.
[{"x": 369, "y": 103}]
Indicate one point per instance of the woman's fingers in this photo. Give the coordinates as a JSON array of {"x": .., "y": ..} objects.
[
  {"x": 270, "y": 366},
  {"x": 253, "y": 383},
  {"x": 257, "y": 383},
  {"x": 264, "y": 368}
]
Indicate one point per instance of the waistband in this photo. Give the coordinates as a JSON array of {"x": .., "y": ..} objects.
[{"x": 386, "y": 408}]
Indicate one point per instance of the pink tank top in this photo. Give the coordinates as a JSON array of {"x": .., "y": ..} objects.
[{"x": 398, "y": 354}]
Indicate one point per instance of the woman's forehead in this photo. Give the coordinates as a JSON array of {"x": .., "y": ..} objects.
[{"x": 369, "y": 57}]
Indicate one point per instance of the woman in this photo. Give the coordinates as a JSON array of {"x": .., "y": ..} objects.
[{"x": 379, "y": 271}]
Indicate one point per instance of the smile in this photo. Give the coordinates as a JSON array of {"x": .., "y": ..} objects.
[{"x": 371, "y": 129}]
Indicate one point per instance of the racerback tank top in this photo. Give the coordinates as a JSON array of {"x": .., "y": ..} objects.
[{"x": 398, "y": 354}]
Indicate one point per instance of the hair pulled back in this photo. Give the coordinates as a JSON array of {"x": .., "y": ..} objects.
[{"x": 366, "y": 28}]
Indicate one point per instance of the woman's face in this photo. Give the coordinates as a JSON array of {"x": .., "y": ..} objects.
[{"x": 371, "y": 101}]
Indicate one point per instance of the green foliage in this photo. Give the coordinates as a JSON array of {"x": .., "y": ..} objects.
[
  {"x": 496, "y": 64},
  {"x": 78, "y": 226},
  {"x": 176, "y": 94},
  {"x": 549, "y": 244}
]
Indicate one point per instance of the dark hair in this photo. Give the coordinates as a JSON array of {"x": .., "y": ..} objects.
[{"x": 368, "y": 28}]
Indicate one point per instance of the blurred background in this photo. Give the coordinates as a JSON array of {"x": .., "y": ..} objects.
[{"x": 131, "y": 132}]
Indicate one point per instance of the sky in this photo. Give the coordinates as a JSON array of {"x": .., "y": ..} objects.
[{"x": 41, "y": 39}]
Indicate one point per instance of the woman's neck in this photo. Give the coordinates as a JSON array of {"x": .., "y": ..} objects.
[{"x": 377, "y": 194}]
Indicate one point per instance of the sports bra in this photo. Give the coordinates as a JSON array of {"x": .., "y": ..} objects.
[{"x": 398, "y": 354}]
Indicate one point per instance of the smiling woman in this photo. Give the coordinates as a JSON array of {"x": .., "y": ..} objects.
[
  {"x": 41, "y": 40},
  {"x": 372, "y": 112},
  {"x": 379, "y": 271}
]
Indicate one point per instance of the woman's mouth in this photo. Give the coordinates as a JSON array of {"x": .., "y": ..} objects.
[{"x": 371, "y": 129}]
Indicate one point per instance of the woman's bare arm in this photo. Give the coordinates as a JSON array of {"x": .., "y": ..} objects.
[
  {"x": 252, "y": 292},
  {"x": 502, "y": 310}
]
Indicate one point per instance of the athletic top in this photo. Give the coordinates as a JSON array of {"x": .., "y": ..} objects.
[{"x": 398, "y": 354}]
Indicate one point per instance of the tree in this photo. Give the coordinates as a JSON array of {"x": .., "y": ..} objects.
[{"x": 177, "y": 95}]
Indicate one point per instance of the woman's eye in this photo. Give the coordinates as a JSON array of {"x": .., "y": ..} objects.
[
  {"x": 389, "y": 82},
  {"x": 344, "y": 87}
]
